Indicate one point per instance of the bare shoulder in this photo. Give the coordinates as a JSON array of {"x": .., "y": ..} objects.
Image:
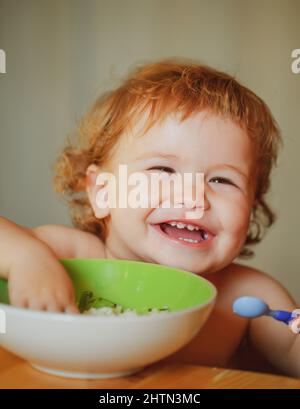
[
  {"x": 88, "y": 245},
  {"x": 246, "y": 280},
  {"x": 69, "y": 242}
]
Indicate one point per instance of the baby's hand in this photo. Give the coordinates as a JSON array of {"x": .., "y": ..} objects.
[
  {"x": 38, "y": 281},
  {"x": 294, "y": 324}
]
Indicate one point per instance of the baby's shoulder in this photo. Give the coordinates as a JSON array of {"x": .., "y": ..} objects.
[
  {"x": 70, "y": 242},
  {"x": 242, "y": 280},
  {"x": 88, "y": 245},
  {"x": 241, "y": 274}
]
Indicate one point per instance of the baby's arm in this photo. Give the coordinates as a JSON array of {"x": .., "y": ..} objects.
[
  {"x": 29, "y": 260},
  {"x": 272, "y": 338}
]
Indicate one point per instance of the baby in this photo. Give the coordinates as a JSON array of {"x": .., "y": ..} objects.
[{"x": 169, "y": 118}]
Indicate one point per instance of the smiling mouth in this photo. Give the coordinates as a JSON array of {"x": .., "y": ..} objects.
[{"x": 188, "y": 234}]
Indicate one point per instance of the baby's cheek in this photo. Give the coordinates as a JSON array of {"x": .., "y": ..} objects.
[{"x": 236, "y": 216}]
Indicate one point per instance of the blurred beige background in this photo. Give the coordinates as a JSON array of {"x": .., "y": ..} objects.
[{"x": 62, "y": 54}]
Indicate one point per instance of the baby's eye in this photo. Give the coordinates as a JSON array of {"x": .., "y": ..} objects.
[
  {"x": 163, "y": 169},
  {"x": 222, "y": 180}
]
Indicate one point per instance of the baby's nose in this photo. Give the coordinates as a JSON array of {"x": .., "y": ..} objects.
[
  {"x": 193, "y": 195},
  {"x": 195, "y": 202},
  {"x": 196, "y": 211}
]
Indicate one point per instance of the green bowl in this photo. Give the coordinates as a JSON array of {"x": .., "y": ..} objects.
[{"x": 133, "y": 284}]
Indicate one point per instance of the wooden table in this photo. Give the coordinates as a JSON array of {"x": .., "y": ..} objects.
[{"x": 16, "y": 373}]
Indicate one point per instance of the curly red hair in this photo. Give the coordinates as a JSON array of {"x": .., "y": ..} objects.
[{"x": 161, "y": 88}]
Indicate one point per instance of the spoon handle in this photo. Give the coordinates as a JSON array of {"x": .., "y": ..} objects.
[{"x": 283, "y": 316}]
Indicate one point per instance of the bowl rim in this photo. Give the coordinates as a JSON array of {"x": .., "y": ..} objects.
[
  {"x": 69, "y": 317},
  {"x": 61, "y": 316}
]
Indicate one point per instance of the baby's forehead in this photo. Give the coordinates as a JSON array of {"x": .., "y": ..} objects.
[{"x": 202, "y": 133}]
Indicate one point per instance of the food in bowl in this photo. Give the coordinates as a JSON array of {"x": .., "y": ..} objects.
[
  {"x": 118, "y": 310},
  {"x": 108, "y": 308}
]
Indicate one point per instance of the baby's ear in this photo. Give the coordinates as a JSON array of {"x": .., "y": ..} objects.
[{"x": 96, "y": 191}]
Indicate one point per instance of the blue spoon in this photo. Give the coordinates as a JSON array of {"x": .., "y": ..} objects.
[{"x": 252, "y": 307}]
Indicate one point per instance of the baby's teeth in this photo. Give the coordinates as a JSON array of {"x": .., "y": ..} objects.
[
  {"x": 191, "y": 227},
  {"x": 189, "y": 240},
  {"x": 180, "y": 225}
]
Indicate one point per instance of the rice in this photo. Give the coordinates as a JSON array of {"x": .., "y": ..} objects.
[
  {"x": 119, "y": 311},
  {"x": 109, "y": 308}
]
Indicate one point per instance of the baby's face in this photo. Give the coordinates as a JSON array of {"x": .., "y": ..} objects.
[{"x": 216, "y": 147}]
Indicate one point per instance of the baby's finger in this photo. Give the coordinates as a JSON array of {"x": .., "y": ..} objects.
[
  {"x": 17, "y": 298},
  {"x": 19, "y": 302},
  {"x": 53, "y": 306},
  {"x": 295, "y": 325},
  {"x": 37, "y": 305},
  {"x": 71, "y": 309}
]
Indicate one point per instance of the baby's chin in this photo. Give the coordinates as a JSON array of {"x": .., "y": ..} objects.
[{"x": 183, "y": 264}]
